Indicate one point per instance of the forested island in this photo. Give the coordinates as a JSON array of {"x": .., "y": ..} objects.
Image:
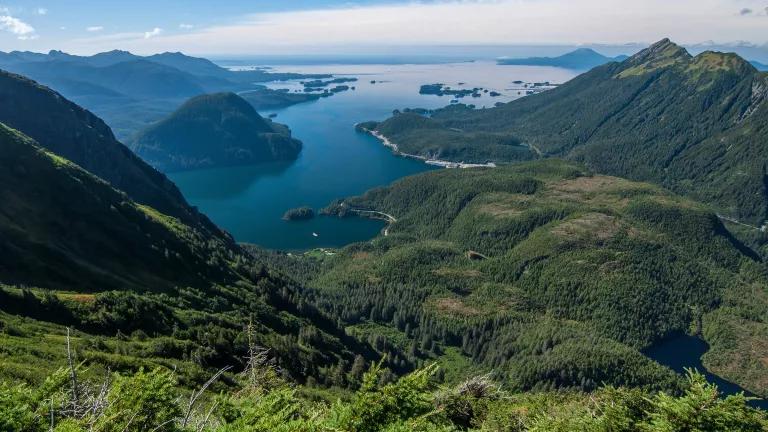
[
  {"x": 300, "y": 213},
  {"x": 214, "y": 130}
]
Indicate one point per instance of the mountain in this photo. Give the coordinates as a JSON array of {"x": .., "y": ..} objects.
[
  {"x": 63, "y": 227},
  {"x": 550, "y": 275},
  {"x": 759, "y": 66},
  {"x": 214, "y": 130},
  {"x": 696, "y": 125},
  {"x": 193, "y": 65},
  {"x": 580, "y": 59},
  {"x": 135, "y": 78},
  {"x": 76, "y": 252},
  {"x": 77, "y": 135},
  {"x": 131, "y": 92}
]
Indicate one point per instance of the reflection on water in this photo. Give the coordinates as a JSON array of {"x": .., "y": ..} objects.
[
  {"x": 336, "y": 161},
  {"x": 685, "y": 351},
  {"x": 230, "y": 182}
]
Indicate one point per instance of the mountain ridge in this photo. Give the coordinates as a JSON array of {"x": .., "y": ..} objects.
[
  {"x": 662, "y": 116},
  {"x": 78, "y": 135}
]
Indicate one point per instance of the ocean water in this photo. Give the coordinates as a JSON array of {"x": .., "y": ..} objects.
[{"x": 336, "y": 161}]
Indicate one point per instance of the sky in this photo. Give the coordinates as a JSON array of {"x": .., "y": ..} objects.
[{"x": 242, "y": 27}]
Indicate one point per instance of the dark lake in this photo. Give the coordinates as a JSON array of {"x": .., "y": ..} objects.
[
  {"x": 337, "y": 161},
  {"x": 685, "y": 351}
]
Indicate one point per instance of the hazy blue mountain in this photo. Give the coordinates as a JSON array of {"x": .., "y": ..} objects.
[
  {"x": 580, "y": 59},
  {"x": 759, "y": 66},
  {"x": 193, "y": 65},
  {"x": 131, "y": 92}
]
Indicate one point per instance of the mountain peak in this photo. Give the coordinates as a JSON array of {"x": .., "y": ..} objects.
[
  {"x": 662, "y": 51},
  {"x": 662, "y": 54}
]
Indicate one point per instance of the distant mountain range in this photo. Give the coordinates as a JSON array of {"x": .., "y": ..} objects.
[
  {"x": 130, "y": 92},
  {"x": 759, "y": 66},
  {"x": 697, "y": 125},
  {"x": 580, "y": 59},
  {"x": 214, "y": 130}
]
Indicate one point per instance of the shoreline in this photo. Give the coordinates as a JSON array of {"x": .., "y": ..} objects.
[{"x": 436, "y": 162}]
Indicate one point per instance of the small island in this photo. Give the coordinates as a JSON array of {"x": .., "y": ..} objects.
[
  {"x": 300, "y": 213},
  {"x": 319, "y": 84}
]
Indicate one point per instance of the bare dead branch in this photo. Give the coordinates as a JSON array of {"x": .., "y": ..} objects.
[{"x": 196, "y": 395}]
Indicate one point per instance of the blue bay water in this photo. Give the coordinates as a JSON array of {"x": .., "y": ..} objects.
[{"x": 336, "y": 161}]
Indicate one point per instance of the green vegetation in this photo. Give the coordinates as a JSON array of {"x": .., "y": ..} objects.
[
  {"x": 214, "y": 130},
  {"x": 696, "y": 125},
  {"x": 144, "y": 287},
  {"x": 75, "y": 134},
  {"x": 151, "y": 400},
  {"x": 551, "y": 276},
  {"x": 301, "y": 213},
  {"x": 420, "y": 135},
  {"x": 542, "y": 279}
]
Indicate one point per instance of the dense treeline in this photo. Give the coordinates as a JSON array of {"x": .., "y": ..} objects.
[{"x": 551, "y": 275}]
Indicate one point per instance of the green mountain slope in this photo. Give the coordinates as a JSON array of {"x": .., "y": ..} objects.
[
  {"x": 74, "y": 251},
  {"x": 63, "y": 227},
  {"x": 77, "y": 135},
  {"x": 214, "y": 130},
  {"x": 551, "y": 275},
  {"x": 580, "y": 59},
  {"x": 693, "y": 124}
]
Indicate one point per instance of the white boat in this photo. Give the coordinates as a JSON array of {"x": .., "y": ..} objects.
[{"x": 315, "y": 234}]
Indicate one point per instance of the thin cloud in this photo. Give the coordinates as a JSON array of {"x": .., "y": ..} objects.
[
  {"x": 459, "y": 22},
  {"x": 152, "y": 33},
  {"x": 94, "y": 29},
  {"x": 13, "y": 25},
  {"x": 186, "y": 26},
  {"x": 41, "y": 11},
  {"x": 745, "y": 11}
]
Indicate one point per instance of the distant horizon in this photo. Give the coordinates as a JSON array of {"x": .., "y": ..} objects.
[{"x": 441, "y": 53}]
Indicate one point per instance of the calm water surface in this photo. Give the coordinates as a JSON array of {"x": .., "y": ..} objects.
[
  {"x": 685, "y": 351},
  {"x": 337, "y": 161}
]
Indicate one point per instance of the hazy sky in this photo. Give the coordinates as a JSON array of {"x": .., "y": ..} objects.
[{"x": 300, "y": 26}]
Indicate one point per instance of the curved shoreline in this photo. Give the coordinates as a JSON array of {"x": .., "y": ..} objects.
[{"x": 437, "y": 162}]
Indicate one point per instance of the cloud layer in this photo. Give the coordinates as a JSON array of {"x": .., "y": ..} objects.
[{"x": 457, "y": 22}]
